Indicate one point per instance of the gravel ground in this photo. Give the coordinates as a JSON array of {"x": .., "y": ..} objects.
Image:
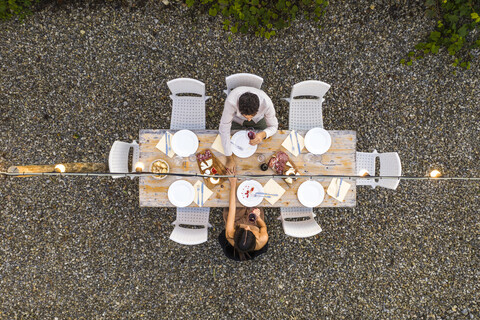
[{"x": 75, "y": 78}]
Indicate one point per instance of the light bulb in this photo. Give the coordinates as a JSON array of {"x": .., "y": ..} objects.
[
  {"x": 60, "y": 168},
  {"x": 139, "y": 167},
  {"x": 363, "y": 173},
  {"x": 435, "y": 174}
]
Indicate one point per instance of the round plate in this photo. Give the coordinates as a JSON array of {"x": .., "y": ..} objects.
[
  {"x": 245, "y": 192},
  {"x": 184, "y": 143},
  {"x": 318, "y": 141},
  {"x": 181, "y": 193},
  {"x": 159, "y": 176},
  {"x": 241, "y": 139},
  {"x": 310, "y": 193}
]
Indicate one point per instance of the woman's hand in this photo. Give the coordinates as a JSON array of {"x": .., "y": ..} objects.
[
  {"x": 233, "y": 180},
  {"x": 256, "y": 211}
]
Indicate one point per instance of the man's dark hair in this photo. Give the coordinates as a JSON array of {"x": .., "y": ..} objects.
[
  {"x": 244, "y": 242},
  {"x": 248, "y": 104}
]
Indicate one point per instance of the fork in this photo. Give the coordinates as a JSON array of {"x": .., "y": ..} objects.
[
  {"x": 198, "y": 195},
  {"x": 236, "y": 145}
]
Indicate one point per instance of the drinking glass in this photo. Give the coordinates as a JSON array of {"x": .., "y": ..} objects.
[
  {"x": 261, "y": 157},
  {"x": 308, "y": 157}
]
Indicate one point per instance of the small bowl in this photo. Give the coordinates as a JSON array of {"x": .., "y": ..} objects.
[{"x": 156, "y": 163}]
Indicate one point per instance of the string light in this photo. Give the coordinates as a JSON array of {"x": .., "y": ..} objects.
[
  {"x": 139, "y": 167},
  {"x": 60, "y": 168},
  {"x": 435, "y": 174}
]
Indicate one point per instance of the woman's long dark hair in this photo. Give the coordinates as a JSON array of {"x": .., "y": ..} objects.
[{"x": 244, "y": 242}]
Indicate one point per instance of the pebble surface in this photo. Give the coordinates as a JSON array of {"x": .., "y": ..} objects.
[{"x": 76, "y": 77}]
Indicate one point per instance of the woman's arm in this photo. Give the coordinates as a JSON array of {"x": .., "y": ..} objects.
[
  {"x": 230, "y": 224},
  {"x": 263, "y": 237}
]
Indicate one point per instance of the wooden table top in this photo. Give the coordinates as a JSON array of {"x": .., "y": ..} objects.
[{"x": 153, "y": 192}]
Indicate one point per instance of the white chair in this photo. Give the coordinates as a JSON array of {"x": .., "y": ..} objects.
[
  {"x": 118, "y": 157},
  {"x": 193, "y": 217},
  {"x": 242, "y": 79},
  {"x": 299, "y": 229},
  {"x": 306, "y": 110},
  {"x": 188, "y": 104},
  {"x": 390, "y": 165}
]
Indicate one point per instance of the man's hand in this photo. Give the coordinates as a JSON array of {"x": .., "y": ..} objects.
[
  {"x": 230, "y": 166},
  {"x": 258, "y": 138}
]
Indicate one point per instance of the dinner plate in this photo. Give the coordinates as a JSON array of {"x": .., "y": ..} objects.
[
  {"x": 181, "y": 193},
  {"x": 241, "y": 139},
  {"x": 318, "y": 141},
  {"x": 245, "y": 192},
  {"x": 310, "y": 193},
  {"x": 184, "y": 143}
]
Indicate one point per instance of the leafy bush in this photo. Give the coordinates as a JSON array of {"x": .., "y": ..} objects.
[
  {"x": 457, "y": 18},
  {"x": 10, "y": 8},
  {"x": 262, "y": 17}
]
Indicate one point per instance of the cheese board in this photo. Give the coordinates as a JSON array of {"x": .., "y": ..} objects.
[
  {"x": 209, "y": 164},
  {"x": 282, "y": 165}
]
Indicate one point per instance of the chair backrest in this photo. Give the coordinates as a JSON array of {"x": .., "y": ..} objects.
[
  {"x": 299, "y": 229},
  {"x": 118, "y": 157},
  {"x": 306, "y": 112},
  {"x": 193, "y": 216},
  {"x": 188, "y": 112},
  {"x": 186, "y": 86},
  {"x": 365, "y": 161},
  {"x": 310, "y": 88},
  {"x": 242, "y": 79},
  {"x": 390, "y": 165}
]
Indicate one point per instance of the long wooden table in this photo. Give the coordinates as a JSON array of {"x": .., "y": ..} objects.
[{"x": 153, "y": 192}]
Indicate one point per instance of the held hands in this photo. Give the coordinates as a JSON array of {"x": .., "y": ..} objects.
[
  {"x": 231, "y": 165},
  {"x": 258, "y": 138}
]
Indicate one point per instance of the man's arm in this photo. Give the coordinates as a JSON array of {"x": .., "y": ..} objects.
[
  {"x": 270, "y": 118},
  {"x": 224, "y": 130}
]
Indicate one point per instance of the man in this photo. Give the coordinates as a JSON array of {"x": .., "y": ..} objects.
[{"x": 246, "y": 107}]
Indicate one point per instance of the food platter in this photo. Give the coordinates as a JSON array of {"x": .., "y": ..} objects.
[
  {"x": 159, "y": 166},
  {"x": 209, "y": 164},
  {"x": 282, "y": 165}
]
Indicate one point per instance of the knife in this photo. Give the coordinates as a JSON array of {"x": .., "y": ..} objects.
[
  {"x": 298, "y": 144},
  {"x": 198, "y": 195},
  {"x": 291, "y": 141},
  {"x": 169, "y": 143},
  {"x": 202, "y": 194},
  {"x": 339, "y": 185},
  {"x": 166, "y": 143}
]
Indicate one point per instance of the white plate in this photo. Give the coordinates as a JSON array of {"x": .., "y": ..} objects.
[
  {"x": 241, "y": 139},
  {"x": 184, "y": 143},
  {"x": 318, "y": 141},
  {"x": 245, "y": 193},
  {"x": 181, "y": 193},
  {"x": 310, "y": 193}
]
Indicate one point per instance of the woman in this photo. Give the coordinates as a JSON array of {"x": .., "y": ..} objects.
[{"x": 245, "y": 235}]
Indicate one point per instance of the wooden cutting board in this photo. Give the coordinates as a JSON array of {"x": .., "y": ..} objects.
[
  {"x": 287, "y": 167},
  {"x": 215, "y": 164}
]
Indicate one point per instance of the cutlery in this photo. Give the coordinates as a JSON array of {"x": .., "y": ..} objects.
[
  {"x": 166, "y": 143},
  {"x": 291, "y": 141},
  {"x": 339, "y": 185},
  {"x": 298, "y": 144},
  {"x": 262, "y": 194},
  {"x": 198, "y": 195},
  {"x": 236, "y": 145},
  {"x": 202, "y": 194},
  {"x": 169, "y": 143}
]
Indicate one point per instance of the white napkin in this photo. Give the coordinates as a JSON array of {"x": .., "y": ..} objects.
[
  {"x": 198, "y": 193},
  {"x": 293, "y": 148},
  {"x": 217, "y": 145},
  {"x": 161, "y": 145},
  {"x": 338, "y": 189},
  {"x": 273, "y": 187}
]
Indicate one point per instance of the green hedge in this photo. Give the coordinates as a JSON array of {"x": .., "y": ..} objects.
[
  {"x": 456, "y": 20},
  {"x": 11, "y": 8},
  {"x": 262, "y": 17}
]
